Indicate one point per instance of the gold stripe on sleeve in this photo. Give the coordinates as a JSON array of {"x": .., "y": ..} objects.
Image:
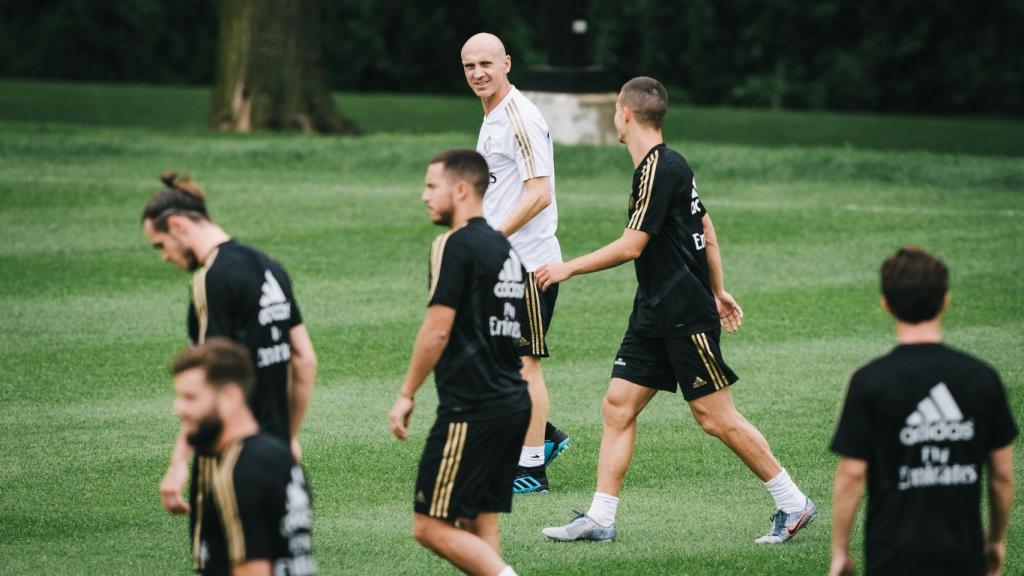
[
  {"x": 199, "y": 295},
  {"x": 639, "y": 192},
  {"x": 203, "y": 484},
  {"x": 436, "y": 255},
  {"x": 227, "y": 503},
  {"x": 643, "y": 200},
  {"x": 521, "y": 135}
]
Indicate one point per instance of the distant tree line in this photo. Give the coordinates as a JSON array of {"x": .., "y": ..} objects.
[{"x": 933, "y": 56}]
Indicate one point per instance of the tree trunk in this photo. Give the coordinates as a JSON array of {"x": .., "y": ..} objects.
[{"x": 268, "y": 70}]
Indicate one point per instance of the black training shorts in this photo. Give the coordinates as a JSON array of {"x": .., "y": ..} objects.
[
  {"x": 693, "y": 363},
  {"x": 540, "y": 307},
  {"x": 467, "y": 467}
]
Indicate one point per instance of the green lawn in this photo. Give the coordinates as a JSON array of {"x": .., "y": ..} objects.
[
  {"x": 806, "y": 207},
  {"x": 185, "y": 109}
]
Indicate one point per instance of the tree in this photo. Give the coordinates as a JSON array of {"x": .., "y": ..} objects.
[{"x": 268, "y": 69}]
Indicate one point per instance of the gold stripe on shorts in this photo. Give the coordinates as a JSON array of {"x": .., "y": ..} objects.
[
  {"x": 714, "y": 360},
  {"x": 451, "y": 457},
  {"x": 461, "y": 444},
  {"x": 533, "y": 313},
  {"x": 709, "y": 363}
]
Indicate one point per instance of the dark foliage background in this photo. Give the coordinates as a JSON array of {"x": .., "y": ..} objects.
[{"x": 931, "y": 56}]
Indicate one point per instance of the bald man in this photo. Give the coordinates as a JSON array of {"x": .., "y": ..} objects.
[{"x": 520, "y": 203}]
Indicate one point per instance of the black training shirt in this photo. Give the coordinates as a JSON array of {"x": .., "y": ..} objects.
[
  {"x": 243, "y": 295},
  {"x": 925, "y": 417},
  {"x": 255, "y": 505},
  {"x": 673, "y": 295},
  {"x": 475, "y": 271}
]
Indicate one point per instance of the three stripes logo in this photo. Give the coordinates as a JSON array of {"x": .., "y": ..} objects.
[
  {"x": 937, "y": 419},
  {"x": 272, "y": 293},
  {"x": 274, "y": 305},
  {"x": 510, "y": 279}
]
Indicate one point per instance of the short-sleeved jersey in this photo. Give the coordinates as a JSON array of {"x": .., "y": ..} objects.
[
  {"x": 255, "y": 505},
  {"x": 673, "y": 295},
  {"x": 243, "y": 295},
  {"x": 515, "y": 141},
  {"x": 475, "y": 271},
  {"x": 925, "y": 417}
]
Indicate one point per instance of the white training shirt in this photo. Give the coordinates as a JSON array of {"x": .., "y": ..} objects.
[{"x": 515, "y": 141}]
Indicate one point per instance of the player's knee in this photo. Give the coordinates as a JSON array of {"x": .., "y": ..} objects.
[
  {"x": 717, "y": 425},
  {"x": 422, "y": 532},
  {"x": 616, "y": 412},
  {"x": 710, "y": 425}
]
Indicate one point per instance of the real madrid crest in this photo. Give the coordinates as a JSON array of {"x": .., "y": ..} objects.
[{"x": 487, "y": 145}]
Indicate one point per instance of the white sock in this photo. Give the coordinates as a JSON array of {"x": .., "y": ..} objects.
[
  {"x": 532, "y": 456},
  {"x": 788, "y": 497},
  {"x": 602, "y": 509},
  {"x": 507, "y": 571}
]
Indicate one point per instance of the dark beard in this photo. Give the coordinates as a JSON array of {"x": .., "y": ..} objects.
[
  {"x": 204, "y": 439},
  {"x": 444, "y": 219},
  {"x": 193, "y": 262}
]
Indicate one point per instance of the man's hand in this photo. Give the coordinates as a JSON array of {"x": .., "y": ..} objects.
[
  {"x": 552, "y": 273},
  {"x": 842, "y": 563},
  {"x": 399, "y": 416},
  {"x": 729, "y": 312},
  {"x": 995, "y": 554},
  {"x": 296, "y": 450},
  {"x": 171, "y": 489}
]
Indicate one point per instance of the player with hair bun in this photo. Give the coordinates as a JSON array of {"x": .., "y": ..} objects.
[{"x": 239, "y": 293}]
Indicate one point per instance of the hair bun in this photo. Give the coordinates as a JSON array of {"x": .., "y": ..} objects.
[{"x": 168, "y": 177}]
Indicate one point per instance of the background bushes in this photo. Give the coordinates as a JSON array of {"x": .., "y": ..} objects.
[{"x": 934, "y": 56}]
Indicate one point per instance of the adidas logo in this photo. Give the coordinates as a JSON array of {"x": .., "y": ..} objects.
[
  {"x": 512, "y": 271},
  {"x": 272, "y": 293},
  {"x": 274, "y": 306},
  {"x": 937, "y": 419},
  {"x": 619, "y": 362},
  {"x": 510, "y": 279},
  {"x": 420, "y": 497},
  {"x": 698, "y": 382}
]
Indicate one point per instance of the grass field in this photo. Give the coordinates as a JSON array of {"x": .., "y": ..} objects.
[{"x": 92, "y": 318}]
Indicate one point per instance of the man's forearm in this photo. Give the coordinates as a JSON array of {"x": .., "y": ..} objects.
[
  {"x": 182, "y": 451},
  {"x": 536, "y": 197},
  {"x": 846, "y": 494},
  {"x": 430, "y": 344},
  {"x": 1000, "y": 490},
  {"x": 607, "y": 256},
  {"x": 715, "y": 273},
  {"x": 302, "y": 375}
]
